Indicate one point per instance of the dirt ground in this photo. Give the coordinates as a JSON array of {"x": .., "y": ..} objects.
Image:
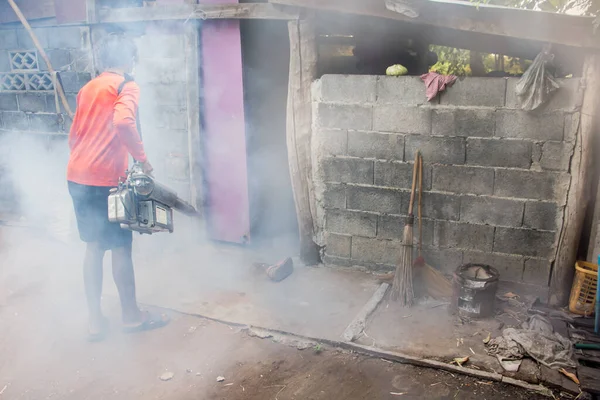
[
  {"x": 197, "y": 351},
  {"x": 44, "y": 355}
]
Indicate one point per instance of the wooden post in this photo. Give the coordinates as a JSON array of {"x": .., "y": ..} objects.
[
  {"x": 303, "y": 70},
  {"x": 192, "y": 75},
  {"x": 579, "y": 188}
]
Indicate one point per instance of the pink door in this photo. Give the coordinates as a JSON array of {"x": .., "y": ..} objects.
[{"x": 224, "y": 136}]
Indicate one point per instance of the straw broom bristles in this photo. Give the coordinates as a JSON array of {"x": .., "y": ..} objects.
[{"x": 402, "y": 288}]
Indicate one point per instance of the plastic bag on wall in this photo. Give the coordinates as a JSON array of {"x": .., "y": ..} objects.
[{"x": 537, "y": 85}]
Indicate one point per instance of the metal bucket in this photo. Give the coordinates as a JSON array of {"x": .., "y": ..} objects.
[{"x": 475, "y": 287}]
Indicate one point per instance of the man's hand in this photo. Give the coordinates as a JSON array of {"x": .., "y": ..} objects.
[{"x": 147, "y": 168}]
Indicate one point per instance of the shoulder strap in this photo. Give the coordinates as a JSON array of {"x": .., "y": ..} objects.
[{"x": 129, "y": 78}]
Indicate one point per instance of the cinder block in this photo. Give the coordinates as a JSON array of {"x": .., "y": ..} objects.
[
  {"x": 36, "y": 102},
  {"x": 441, "y": 206},
  {"x": 8, "y": 39},
  {"x": 337, "y": 261},
  {"x": 24, "y": 39},
  {"x": 478, "y": 122},
  {"x": 524, "y": 125},
  {"x": 537, "y": 271},
  {"x": 499, "y": 153},
  {"x": 60, "y": 37},
  {"x": 567, "y": 97},
  {"x": 400, "y": 91},
  {"x": 82, "y": 60},
  {"x": 383, "y": 146},
  {"x": 73, "y": 81},
  {"x": 348, "y": 88},
  {"x": 4, "y": 61},
  {"x": 481, "y": 92},
  {"x": 436, "y": 150},
  {"x": 411, "y": 120},
  {"x": 556, "y": 156},
  {"x": 491, "y": 210},
  {"x": 338, "y": 245},
  {"x": 39, "y": 122},
  {"x": 351, "y": 223},
  {"x": 161, "y": 94},
  {"x": 59, "y": 58},
  {"x": 8, "y": 102},
  {"x": 399, "y": 175},
  {"x": 392, "y": 227},
  {"x": 156, "y": 45},
  {"x": 171, "y": 117},
  {"x": 530, "y": 184},
  {"x": 15, "y": 121},
  {"x": 510, "y": 267},
  {"x": 463, "y": 236},
  {"x": 71, "y": 99},
  {"x": 162, "y": 70},
  {"x": 344, "y": 116},
  {"x": 379, "y": 200},
  {"x": 332, "y": 142},
  {"x": 541, "y": 215},
  {"x": 348, "y": 170},
  {"x": 446, "y": 260},
  {"x": 375, "y": 250},
  {"x": 525, "y": 242},
  {"x": 572, "y": 122},
  {"x": 463, "y": 180}
]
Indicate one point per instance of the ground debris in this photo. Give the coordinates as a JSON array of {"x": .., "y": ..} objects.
[
  {"x": 220, "y": 379},
  {"x": 397, "y": 393},
  {"x": 167, "y": 376},
  {"x": 259, "y": 333},
  {"x": 460, "y": 361},
  {"x": 569, "y": 375},
  {"x": 487, "y": 338}
]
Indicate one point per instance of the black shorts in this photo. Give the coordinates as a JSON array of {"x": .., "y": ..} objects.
[{"x": 91, "y": 210}]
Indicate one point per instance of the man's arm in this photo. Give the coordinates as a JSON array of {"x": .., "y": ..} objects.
[{"x": 124, "y": 121}]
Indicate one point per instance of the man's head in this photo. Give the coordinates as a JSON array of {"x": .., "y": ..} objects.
[{"x": 116, "y": 51}]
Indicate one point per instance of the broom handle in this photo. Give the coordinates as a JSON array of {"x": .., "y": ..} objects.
[
  {"x": 420, "y": 202},
  {"x": 414, "y": 184}
]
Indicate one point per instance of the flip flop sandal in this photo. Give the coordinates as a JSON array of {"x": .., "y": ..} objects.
[
  {"x": 151, "y": 321},
  {"x": 94, "y": 337}
]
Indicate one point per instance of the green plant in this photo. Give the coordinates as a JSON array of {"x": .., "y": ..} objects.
[{"x": 318, "y": 348}]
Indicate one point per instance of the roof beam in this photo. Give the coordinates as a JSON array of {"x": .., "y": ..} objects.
[
  {"x": 195, "y": 11},
  {"x": 563, "y": 29}
]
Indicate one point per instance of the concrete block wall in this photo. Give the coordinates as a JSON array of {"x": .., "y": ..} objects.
[
  {"x": 161, "y": 75},
  {"x": 68, "y": 48},
  {"x": 495, "y": 177}
]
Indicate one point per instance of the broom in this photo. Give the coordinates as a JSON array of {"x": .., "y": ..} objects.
[
  {"x": 402, "y": 288},
  {"x": 435, "y": 283}
]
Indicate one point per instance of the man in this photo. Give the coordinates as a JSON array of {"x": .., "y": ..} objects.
[{"x": 103, "y": 134}]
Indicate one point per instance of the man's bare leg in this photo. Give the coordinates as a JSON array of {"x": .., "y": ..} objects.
[
  {"x": 92, "y": 278},
  {"x": 122, "y": 266}
]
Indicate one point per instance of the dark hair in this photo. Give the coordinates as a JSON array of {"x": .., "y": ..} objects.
[{"x": 116, "y": 50}]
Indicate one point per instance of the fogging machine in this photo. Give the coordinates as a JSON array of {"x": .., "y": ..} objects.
[{"x": 141, "y": 204}]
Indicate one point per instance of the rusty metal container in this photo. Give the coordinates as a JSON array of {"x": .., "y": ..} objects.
[{"x": 475, "y": 287}]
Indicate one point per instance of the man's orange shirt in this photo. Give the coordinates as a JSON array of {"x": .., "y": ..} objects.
[{"x": 104, "y": 132}]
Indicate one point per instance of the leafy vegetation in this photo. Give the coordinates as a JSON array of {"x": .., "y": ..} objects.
[{"x": 463, "y": 62}]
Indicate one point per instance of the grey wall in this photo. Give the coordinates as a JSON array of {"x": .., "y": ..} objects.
[
  {"x": 161, "y": 75},
  {"x": 68, "y": 48},
  {"x": 495, "y": 177},
  {"x": 32, "y": 136}
]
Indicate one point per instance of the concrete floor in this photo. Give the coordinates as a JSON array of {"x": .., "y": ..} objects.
[
  {"x": 220, "y": 282},
  {"x": 45, "y": 355}
]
